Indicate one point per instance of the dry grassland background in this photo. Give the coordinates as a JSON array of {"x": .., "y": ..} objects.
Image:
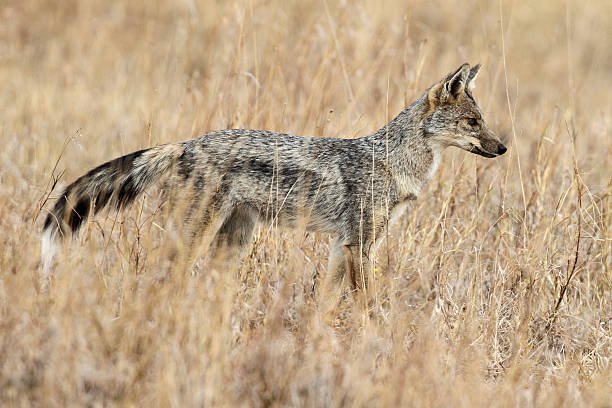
[{"x": 495, "y": 289}]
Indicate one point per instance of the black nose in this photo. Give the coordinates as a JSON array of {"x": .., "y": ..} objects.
[{"x": 501, "y": 149}]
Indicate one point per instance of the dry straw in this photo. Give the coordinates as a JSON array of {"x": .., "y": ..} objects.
[{"x": 494, "y": 290}]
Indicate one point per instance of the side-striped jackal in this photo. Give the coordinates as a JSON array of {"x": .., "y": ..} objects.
[{"x": 231, "y": 179}]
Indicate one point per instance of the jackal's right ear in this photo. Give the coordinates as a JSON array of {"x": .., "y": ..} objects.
[
  {"x": 450, "y": 87},
  {"x": 472, "y": 77}
]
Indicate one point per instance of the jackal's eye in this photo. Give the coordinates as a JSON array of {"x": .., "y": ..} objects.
[{"x": 472, "y": 122}]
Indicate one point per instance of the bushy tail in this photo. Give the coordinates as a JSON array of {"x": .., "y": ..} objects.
[{"x": 116, "y": 183}]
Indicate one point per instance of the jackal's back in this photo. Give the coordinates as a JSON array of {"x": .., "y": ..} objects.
[{"x": 282, "y": 176}]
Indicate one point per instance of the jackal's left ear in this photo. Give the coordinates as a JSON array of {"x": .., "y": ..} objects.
[
  {"x": 472, "y": 76},
  {"x": 456, "y": 84}
]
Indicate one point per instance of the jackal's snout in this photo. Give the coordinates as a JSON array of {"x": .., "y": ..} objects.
[{"x": 489, "y": 146}]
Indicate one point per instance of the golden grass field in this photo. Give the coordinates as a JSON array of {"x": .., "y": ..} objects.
[{"x": 495, "y": 289}]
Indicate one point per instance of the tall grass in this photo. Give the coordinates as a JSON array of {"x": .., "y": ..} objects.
[{"x": 495, "y": 289}]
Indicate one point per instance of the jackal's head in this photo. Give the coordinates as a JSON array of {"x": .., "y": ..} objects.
[{"x": 454, "y": 119}]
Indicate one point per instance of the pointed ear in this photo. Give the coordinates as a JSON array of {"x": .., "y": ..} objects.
[
  {"x": 472, "y": 76},
  {"x": 456, "y": 84},
  {"x": 435, "y": 95},
  {"x": 449, "y": 88}
]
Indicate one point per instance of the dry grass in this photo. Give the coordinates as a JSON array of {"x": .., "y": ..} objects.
[{"x": 495, "y": 290}]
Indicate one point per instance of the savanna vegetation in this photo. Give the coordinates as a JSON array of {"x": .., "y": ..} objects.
[{"x": 494, "y": 289}]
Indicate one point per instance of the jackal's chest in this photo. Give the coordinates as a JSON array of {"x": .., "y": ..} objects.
[
  {"x": 410, "y": 184},
  {"x": 433, "y": 167}
]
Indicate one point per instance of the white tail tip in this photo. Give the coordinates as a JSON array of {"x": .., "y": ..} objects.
[{"x": 47, "y": 250}]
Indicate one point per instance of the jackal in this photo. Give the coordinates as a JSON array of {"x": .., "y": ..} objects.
[{"x": 231, "y": 179}]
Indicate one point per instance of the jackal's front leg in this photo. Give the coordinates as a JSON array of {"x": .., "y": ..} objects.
[
  {"x": 356, "y": 267},
  {"x": 347, "y": 264}
]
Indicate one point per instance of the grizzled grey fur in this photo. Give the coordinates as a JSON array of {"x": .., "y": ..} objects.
[{"x": 232, "y": 179}]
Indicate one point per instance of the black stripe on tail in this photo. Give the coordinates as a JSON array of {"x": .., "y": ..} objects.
[{"x": 96, "y": 196}]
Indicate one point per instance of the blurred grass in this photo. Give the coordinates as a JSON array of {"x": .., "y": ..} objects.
[{"x": 469, "y": 278}]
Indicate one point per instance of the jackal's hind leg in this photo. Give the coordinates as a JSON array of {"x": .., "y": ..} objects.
[
  {"x": 233, "y": 238},
  {"x": 194, "y": 229}
]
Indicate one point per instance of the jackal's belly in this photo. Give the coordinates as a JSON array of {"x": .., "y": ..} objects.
[
  {"x": 400, "y": 208},
  {"x": 316, "y": 214}
]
